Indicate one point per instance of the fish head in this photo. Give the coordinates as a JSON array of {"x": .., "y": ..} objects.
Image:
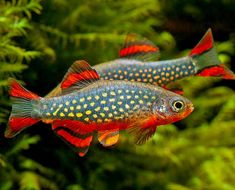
[{"x": 171, "y": 107}]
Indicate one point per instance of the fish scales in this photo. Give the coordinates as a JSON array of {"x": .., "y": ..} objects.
[
  {"x": 102, "y": 102},
  {"x": 138, "y": 62},
  {"x": 158, "y": 73}
]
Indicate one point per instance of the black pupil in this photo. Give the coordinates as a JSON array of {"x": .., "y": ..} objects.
[{"x": 178, "y": 105}]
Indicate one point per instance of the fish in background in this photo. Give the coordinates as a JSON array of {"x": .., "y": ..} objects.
[
  {"x": 138, "y": 63},
  {"x": 96, "y": 106}
]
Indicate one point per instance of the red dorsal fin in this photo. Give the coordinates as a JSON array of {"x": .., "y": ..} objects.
[
  {"x": 205, "y": 44},
  {"x": 74, "y": 133},
  {"x": 79, "y": 75},
  {"x": 175, "y": 87},
  {"x": 139, "y": 48}
]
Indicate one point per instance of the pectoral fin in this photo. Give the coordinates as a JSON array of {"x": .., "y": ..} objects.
[{"x": 143, "y": 129}]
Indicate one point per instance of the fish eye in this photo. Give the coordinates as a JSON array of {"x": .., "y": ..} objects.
[{"x": 178, "y": 105}]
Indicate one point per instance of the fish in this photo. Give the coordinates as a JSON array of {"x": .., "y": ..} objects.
[
  {"x": 135, "y": 64},
  {"x": 96, "y": 107}
]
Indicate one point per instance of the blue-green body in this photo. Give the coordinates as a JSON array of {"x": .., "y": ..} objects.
[
  {"x": 158, "y": 73},
  {"x": 103, "y": 101}
]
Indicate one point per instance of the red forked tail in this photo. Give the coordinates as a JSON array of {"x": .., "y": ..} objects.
[
  {"x": 206, "y": 59},
  {"x": 20, "y": 117}
]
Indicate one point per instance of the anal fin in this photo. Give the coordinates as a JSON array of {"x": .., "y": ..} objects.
[{"x": 72, "y": 134}]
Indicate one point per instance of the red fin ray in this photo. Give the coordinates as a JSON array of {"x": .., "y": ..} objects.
[
  {"x": 77, "y": 134},
  {"x": 21, "y": 115},
  {"x": 18, "y": 91},
  {"x": 139, "y": 48},
  {"x": 134, "y": 49},
  {"x": 218, "y": 71},
  {"x": 206, "y": 59},
  {"x": 18, "y": 124},
  {"x": 76, "y": 78},
  {"x": 73, "y": 140},
  {"x": 79, "y": 75},
  {"x": 205, "y": 44},
  {"x": 76, "y": 127}
]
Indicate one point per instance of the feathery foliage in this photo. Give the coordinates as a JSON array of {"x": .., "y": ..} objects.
[{"x": 14, "y": 24}]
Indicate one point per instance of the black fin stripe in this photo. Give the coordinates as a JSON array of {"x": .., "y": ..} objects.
[{"x": 76, "y": 148}]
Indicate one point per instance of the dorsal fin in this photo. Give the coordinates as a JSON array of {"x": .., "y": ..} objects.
[
  {"x": 175, "y": 87},
  {"x": 55, "y": 92},
  {"x": 205, "y": 44},
  {"x": 79, "y": 75},
  {"x": 139, "y": 48}
]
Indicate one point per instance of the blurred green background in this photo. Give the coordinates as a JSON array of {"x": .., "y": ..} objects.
[{"x": 39, "y": 40}]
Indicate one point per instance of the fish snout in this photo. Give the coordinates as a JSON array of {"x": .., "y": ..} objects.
[{"x": 190, "y": 108}]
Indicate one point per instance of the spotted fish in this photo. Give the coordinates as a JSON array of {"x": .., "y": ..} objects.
[
  {"x": 96, "y": 106},
  {"x": 135, "y": 64},
  {"x": 202, "y": 61}
]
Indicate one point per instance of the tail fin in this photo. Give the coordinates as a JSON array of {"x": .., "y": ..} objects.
[
  {"x": 20, "y": 117},
  {"x": 206, "y": 59}
]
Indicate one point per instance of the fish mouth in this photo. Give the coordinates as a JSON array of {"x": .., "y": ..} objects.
[{"x": 191, "y": 108}]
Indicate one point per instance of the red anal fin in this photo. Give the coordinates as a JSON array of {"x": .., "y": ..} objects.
[
  {"x": 80, "y": 145},
  {"x": 139, "y": 48},
  {"x": 205, "y": 44},
  {"x": 77, "y": 134},
  {"x": 73, "y": 140},
  {"x": 16, "y": 90},
  {"x": 217, "y": 71},
  {"x": 76, "y": 127},
  {"x": 79, "y": 75},
  {"x": 18, "y": 124}
]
